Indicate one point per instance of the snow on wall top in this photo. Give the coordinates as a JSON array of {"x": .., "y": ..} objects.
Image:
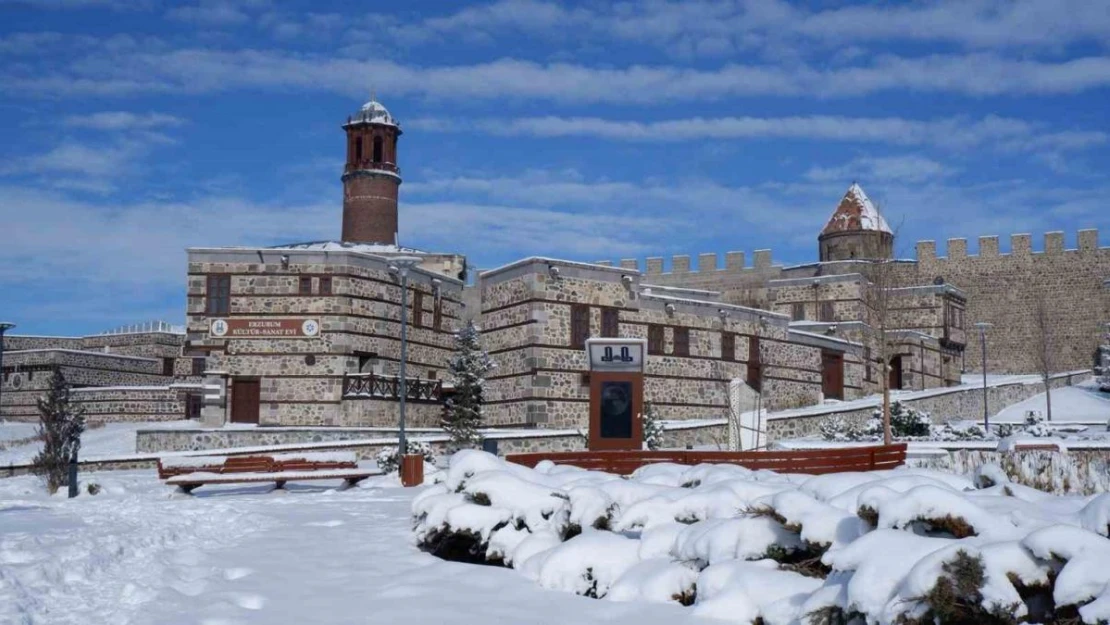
[
  {"x": 335, "y": 246},
  {"x": 856, "y": 212}
]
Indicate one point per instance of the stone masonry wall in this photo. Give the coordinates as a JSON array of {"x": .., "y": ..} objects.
[
  {"x": 302, "y": 378},
  {"x": 941, "y": 404},
  {"x": 540, "y": 377}
]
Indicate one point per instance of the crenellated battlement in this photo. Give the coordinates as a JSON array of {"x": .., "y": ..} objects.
[
  {"x": 707, "y": 263},
  {"x": 1021, "y": 245}
]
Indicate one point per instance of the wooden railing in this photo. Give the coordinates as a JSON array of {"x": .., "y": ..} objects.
[
  {"x": 810, "y": 461},
  {"x": 374, "y": 386}
]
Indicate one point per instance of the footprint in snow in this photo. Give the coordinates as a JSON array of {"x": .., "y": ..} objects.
[
  {"x": 335, "y": 523},
  {"x": 237, "y": 573},
  {"x": 249, "y": 601}
]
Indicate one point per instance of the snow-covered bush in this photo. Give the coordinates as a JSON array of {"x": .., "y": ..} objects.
[
  {"x": 388, "y": 461},
  {"x": 839, "y": 429},
  {"x": 905, "y": 422},
  {"x": 905, "y": 547},
  {"x": 652, "y": 426}
]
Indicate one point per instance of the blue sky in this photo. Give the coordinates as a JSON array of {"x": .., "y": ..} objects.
[{"x": 580, "y": 130}]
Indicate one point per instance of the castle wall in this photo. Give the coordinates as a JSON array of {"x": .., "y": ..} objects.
[
  {"x": 1001, "y": 289},
  {"x": 1004, "y": 289}
]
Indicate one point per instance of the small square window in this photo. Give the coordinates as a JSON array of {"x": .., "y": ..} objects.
[
  {"x": 305, "y": 285},
  {"x": 325, "y": 285}
]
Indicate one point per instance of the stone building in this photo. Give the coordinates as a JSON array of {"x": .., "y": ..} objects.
[
  {"x": 309, "y": 334},
  {"x": 136, "y": 373},
  {"x": 537, "y": 314}
]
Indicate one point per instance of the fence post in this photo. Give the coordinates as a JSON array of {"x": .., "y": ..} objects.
[{"x": 872, "y": 459}]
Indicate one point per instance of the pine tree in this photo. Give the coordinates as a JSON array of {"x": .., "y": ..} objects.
[
  {"x": 468, "y": 369},
  {"x": 60, "y": 427},
  {"x": 652, "y": 427}
]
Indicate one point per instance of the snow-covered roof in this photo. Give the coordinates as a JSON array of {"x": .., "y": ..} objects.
[
  {"x": 373, "y": 112},
  {"x": 856, "y": 212},
  {"x": 336, "y": 246}
]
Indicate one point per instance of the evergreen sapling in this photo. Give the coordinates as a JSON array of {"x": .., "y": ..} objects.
[
  {"x": 468, "y": 369},
  {"x": 60, "y": 427}
]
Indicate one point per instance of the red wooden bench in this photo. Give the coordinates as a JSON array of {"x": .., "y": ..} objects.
[
  {"x": 192, "y": 472},
  {"x": 810, "y": 461}
]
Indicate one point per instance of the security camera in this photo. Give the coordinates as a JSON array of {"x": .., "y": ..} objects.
[
  {"x": 669, "y": 308},
  {"x": 553, "y": 271},
  {"x": 723, "y": 314},
  {"x": 627, "y": 280},
  {"x": 284, "y": 260}
]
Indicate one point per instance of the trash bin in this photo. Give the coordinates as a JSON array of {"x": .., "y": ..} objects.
[{"x": 412, "y": 470}]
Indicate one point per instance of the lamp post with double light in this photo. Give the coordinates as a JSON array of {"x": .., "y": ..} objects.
[
  {"x": 401, "y": 265},
  {"x": 983, "y": 326}
]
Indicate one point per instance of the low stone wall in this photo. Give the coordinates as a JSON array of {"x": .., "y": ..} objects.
[
  {"x": 158, "y": 441},
  {"x": 941, "y": 404}
]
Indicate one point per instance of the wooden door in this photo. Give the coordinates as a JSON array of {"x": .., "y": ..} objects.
[
  {"x": 832, "y": 375},
  {"x": 895, "y": 378},
  {"x": 616, "y": 403},
  {"x": 244, "y": 401}
]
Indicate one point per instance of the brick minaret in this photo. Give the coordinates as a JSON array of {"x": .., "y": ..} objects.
[{"x": 371, "y": 176}]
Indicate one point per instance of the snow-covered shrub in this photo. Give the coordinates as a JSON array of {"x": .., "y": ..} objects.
[
  {"x": 905, "y": 422},
  {"x": 958, "y": 432},
  {"x": 652, "y": 427},
  {"x": 757, "y": 547},
  {"x": 388, "y": 461},
  {"x": 839, "y": 429}
]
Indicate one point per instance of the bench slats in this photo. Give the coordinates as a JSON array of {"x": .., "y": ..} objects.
[{"x": 834, "y": 460}]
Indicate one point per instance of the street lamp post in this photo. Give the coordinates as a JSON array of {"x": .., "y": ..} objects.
[
  {"x": 4, "y": 327},
  {"x": 403, "y": 264},
  {"x": 983, "y": 325}
]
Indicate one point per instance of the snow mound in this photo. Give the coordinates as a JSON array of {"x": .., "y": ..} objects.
[{"x": 902, "y": 546}]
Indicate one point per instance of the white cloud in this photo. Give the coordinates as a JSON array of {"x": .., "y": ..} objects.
[
  {"x": 122, "y": 120},
  {"x": 195, "y": 70},
  {"x": 906, "y": 168},
  {"x": 958, "y": 132},
  {"x": 215, "y": 12},
  {"x": 718, "y": 28}
]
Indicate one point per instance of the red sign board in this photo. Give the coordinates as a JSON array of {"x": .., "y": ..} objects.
[{"x": 263, "y": 328}]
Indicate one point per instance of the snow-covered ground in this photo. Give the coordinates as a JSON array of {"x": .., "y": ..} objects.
[
  {"x": 13, "y": 430},
  {"x": 113, "y": 439},
  {"x": 137, "y": 554},
  {"x": 1083, "y": 402}
]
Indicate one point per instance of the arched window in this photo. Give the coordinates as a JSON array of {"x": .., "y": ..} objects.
[
  {"x": 377, "y": 149},
  {"x": 358, "y": 149}
]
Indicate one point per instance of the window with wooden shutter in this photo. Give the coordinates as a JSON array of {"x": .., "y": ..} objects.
[
  {"x": 798, "y": 311},
  {"x": 437, "y": 314},
  {"x": 728, "y": 346},
  {"x": 167, "y": 366},
  {"x": 305, "y": 285},
  {"x": 218, "y": 297},
  {"x": 755, "y": 365},
  {"x": 417, "y": 308},
  {"x": 655, "y": 339},
  {"x": 682, "y": 341},
  {"x": 325, "y": 285},
  {"x": 610, "y": 322},
  {"x": 579, "y": 325},
  {"x": 199, "y": 364},
  {"x": 827, "y": 312}
]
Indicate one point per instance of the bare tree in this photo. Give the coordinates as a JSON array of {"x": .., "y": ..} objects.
[
  {"x": 877, "y": 304},
  {"x": 1044, "y": 346}
]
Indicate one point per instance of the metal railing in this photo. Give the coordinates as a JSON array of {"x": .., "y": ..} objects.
[
  {"x": 149, "y": 326},
  {"x": 377, "y": 386}
]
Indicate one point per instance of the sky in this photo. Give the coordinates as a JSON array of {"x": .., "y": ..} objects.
[{"x": 586, "y": 131}]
